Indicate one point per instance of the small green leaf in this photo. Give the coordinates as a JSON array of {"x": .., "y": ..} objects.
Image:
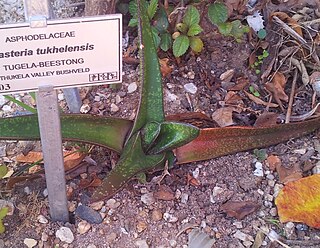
[
  {"x": 21, "y": 104},
  {"x": 191, "y": 16},
  {"x": 262, "y": 33},
  {"x": 152, "y": 8},
  {"x": 196, "y": 44},
  {"x": 182, "y": 27},
  {"x": 3, "y": 170},
  {"x": 133, "y": 22},
  {"x": 225, "y": 28},
  {"x": 161, "y": 22},
  {"x": 2, "y": 228},
  {"x": 238, "y": 29},
  {"x": 133, "y": 8},
  {"x": 218, "y": 13},
  {"x": 194, "y": 29},
  {"x": 265, "y": 54},
  {"x": 3, "y": 212},
  {"x": 180, "y": 45},
  {"x": 166, "y": 41}
]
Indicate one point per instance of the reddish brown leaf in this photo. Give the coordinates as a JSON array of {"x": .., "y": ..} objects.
[
  {"x": 193, "y": 181},
  {"x": 273, "y": 162},
  {"x": 241, "y": 83},
  {"x": 257, "y": 100},
  {"x": 266, "y": 119},
  {"x": 276, "y": 86},
  {"x": 165, "y": 68},
  {"x": 299, "y": 201},
  {"x": 288, "y": 174},
  {"x": 14, "y": 180},
  {"x": 223, "y": 116},
  {"x": 238, "y": 209}
]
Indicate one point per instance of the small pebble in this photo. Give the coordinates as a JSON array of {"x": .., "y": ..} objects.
[
  {"x": 112, "y": 203},
  {"x": 191, "y": 88},
  {"x": 132, "y": 87},
  {"x": 88, "y": 214},
  {"x": 114, "y": 108},
  {"x": 141, "y": 226},
  {"x": 60, "y": 96},
  {"x": 178, "y": 194},
  {"x": 238, "y": 224},
  {"x": 111, "y": 237},
  {"x": 184, "y": 198},
  {"x": 83, "y": 227},
  {"x": 302, "y": 227},
  {"x": 169, "y": 218},
  {"x": 30, "y": 242},
  {"x": 65, "y": 234},
  {"x": 243, "y": 236},
  {"x": 142, "y": 244},
  {"x": 97, "y": 205},
  {"x": 6, "y": 108},
  {"x": 156, "y": 215},
  {"x": 273, "y": 212},
  {"x": 173, "y": 243},
  {"x": 42, "y": 219},
  {"x": 289, "y": 230},
  {"x": 85, "y": 108},
  {"x": 27, "y": 190},
  {"x": 45, "y": 192},
  {"x": 44, "y": 237},
  {"x": 148, "y": 198},
  {"x": 259, "y": 170}
]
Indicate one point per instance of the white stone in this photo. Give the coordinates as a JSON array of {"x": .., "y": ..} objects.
[
  {"x": 148, "y": 198},
  {"x": 6, "y": 108},
  {"x": 60, "y": 96},
  {"x": 238, "y": 224},
  {"x": 242, "y": 236},
  {"x": 259, "y": 170},
  {"x": 114, "y": 108},
  {"x": 142, "y": 244},
  {"x": 191, "y": 88},
  {"x": 217, "y": 191},
  {"x": 42, "y": 219},
  {"x": 30, "y": 242},
  {"x": 132, "y": 87},
  {"x": 184, "y": 198},
  {"x": 85, "y": 108},
  {"x": 169, "y": 218},
  {"x": 97, "y": 205},
  {"x": 65, "y": 235},
  {"x": 45, "y": 192}
]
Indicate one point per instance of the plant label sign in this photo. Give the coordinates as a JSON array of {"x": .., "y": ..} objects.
[{"x": 65, "y": 53}]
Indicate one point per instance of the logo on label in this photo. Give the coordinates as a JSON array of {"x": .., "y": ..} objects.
[{"x": 102, "y": 77}]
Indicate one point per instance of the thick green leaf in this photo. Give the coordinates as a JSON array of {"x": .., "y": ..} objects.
[
  {"x": 194, "y": 29},
  {"x": 191, "y": 16},
  {"x": 216, "y": 142},
  {"x": 180, "y": 45},
  {"x": 196, "y": 44},
  {"x": 3, "y": 171},
  {"x": 218, "y": 13},
  {"x": 173, "y": 135},
  {"x": 104, "y": 131},
  {"x": 149, "y": 134},
  {"x": 152, "y": 8},
  {"x": 151, "y": 99},
  {"x": 132, "y": 161},
  {"x": 166, "y": 41}
]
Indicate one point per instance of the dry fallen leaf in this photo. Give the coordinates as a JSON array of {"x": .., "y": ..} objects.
[
  {"x": 276, "y": 87},
  {"x": 257, "y": 100},
  {"x": 165, "y": 68},
  {"x": 299, "y": 201},
  {"x": 238, "y": 209},
  {"x": 266, "y": 119},
  {"x": 273, "y": 162},
  {"x": 71, "y": 158},
  {"x": 193, "y": 181},
  {"x": 223, "y": 116},
  {"x": 290, "y": 174},
  {"x": 164, "y": 193}
]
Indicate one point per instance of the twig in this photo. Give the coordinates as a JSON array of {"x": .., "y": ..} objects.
[
  {"x": 293, "y": 87},
  {"x": 292, "y": 33},
  {"x": 309, "y": 23}
]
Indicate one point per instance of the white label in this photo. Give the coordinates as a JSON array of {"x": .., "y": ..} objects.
[{"x": 65, "y": 53}]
